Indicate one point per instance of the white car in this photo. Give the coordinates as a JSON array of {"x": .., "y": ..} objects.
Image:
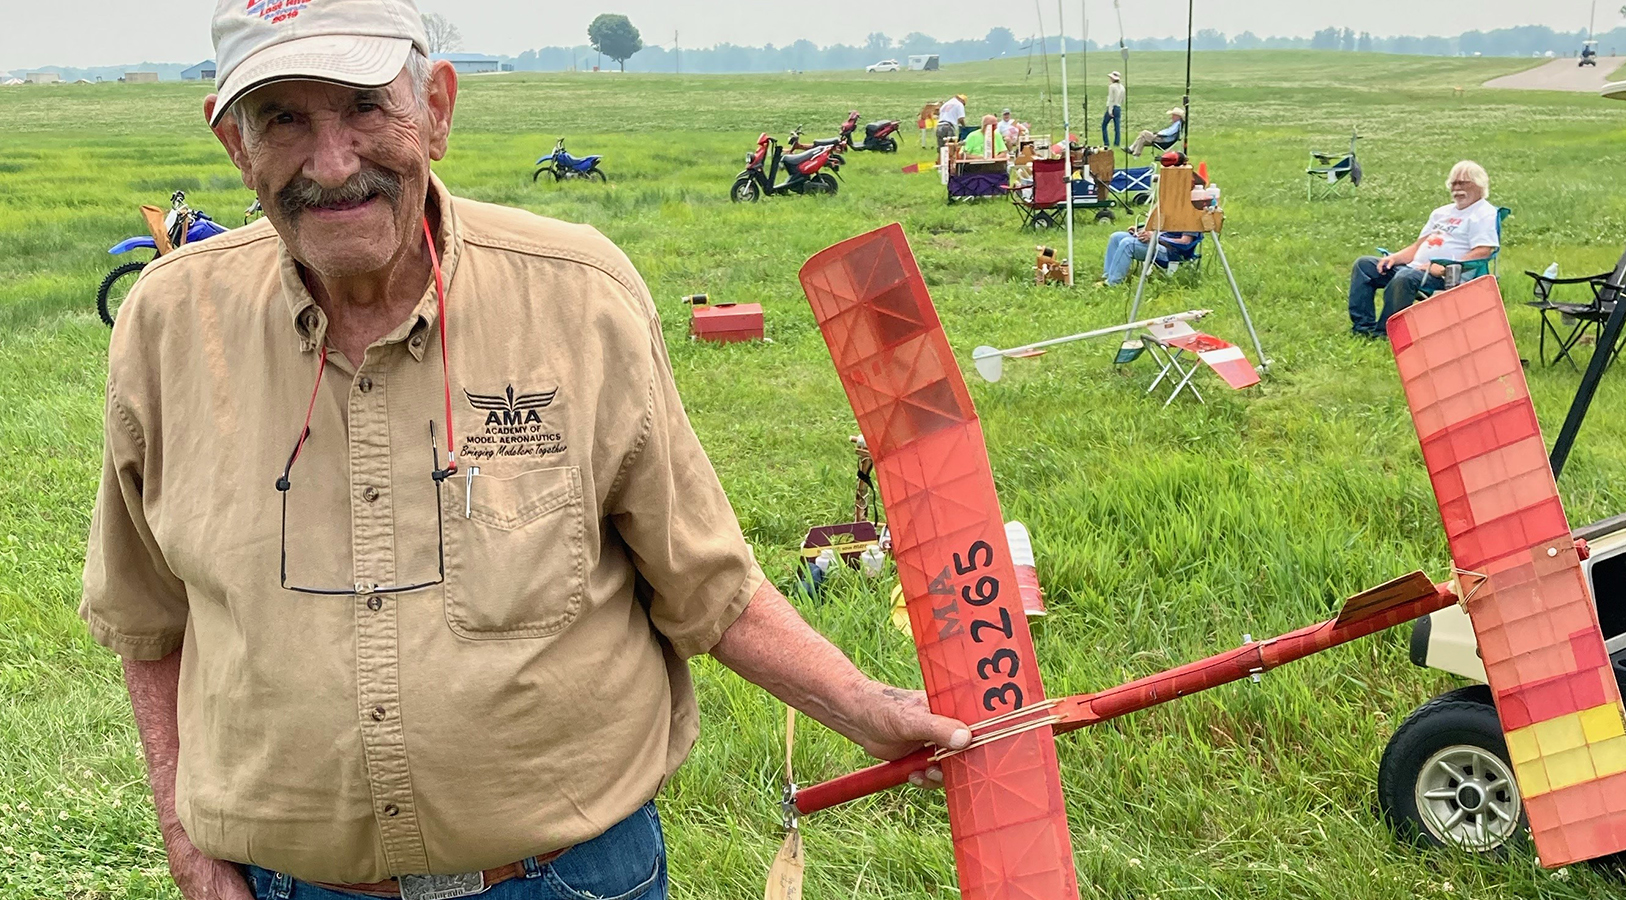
[{"x": 885, "y": 65}]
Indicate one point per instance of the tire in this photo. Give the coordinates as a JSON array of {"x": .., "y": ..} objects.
[
  {"x": 1452, "y": 747},
  {"x": 115, "y": 287},
  {"x": 823, "y": 183},
  {"x": 1043, "y": 222},
  {"x": 599, "y": 174},
  {"x": 538, "y": 173},
  {"x": 889, "y": 146},
  {"x": 744, "y": 190},
  {"x": 1105, "y": 215},
  {"x": 1141, "y": 199}
]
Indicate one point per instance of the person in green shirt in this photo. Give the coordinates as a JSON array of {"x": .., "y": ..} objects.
[{"x": 976, "y": 144}]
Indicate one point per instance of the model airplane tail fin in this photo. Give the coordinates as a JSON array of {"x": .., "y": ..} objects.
[
  {"x": 990, "y": 363},
  {"x": 1535, "y": 624}
]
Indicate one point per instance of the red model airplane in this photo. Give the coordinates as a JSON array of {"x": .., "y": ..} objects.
[{"x": 1011, "y": 840}]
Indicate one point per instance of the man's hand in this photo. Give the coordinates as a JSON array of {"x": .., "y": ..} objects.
[
  {"x": 200, "y": 877},
  {"x": 771, "y": 646},
  {"x": 1386, "y": 263}
]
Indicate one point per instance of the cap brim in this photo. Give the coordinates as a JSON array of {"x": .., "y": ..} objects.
[{"x": 358, "y": 60}]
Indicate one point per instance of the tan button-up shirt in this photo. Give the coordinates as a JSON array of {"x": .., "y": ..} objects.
[{"x": 530, "y": 700}]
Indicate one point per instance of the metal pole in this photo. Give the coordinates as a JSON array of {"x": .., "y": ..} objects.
[
  {"x": 1264, "y": 361},
  {"x": 1601, "y": 353},
  {"x": 1123, "y": 54},
  {"x": 1066, "y": 139},
  {"x": 1185, "y": 101}
]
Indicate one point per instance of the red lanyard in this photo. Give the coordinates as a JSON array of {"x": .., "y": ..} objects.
[{"x": 445, "y": 365}]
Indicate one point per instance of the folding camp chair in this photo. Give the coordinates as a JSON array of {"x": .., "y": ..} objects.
[
  {"x": 1330, "y": 171},
  {"x": 1045, "y": 196},
  {"x": 1181, "y": 257},
  {"x": 1579, "y": 318}
]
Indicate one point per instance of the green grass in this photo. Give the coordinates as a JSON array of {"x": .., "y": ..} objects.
[{"x": 1161, "y": 535}]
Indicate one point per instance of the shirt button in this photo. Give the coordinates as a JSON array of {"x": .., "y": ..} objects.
[
  {"x": 375, "y": 603},
  {"x": 417, "y": 341},
  {"x": 365, "y": 384},
  {"x": 369, "y": 493},
  {"x": 379, "y": 713},
  {"x": 391, "y": 810}
]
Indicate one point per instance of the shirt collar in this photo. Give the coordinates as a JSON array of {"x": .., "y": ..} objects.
[{"x": 310, "y": 323}]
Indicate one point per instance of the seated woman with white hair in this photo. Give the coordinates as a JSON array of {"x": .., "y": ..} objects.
[{"x": 1461, "y": 230}]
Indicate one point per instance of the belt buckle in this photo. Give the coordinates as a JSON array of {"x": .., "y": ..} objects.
[{"x": 441, "y": 887}]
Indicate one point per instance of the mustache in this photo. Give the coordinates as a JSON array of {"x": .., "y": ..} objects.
[{"x": 302, "y": 193}]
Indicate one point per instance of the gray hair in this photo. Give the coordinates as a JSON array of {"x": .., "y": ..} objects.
[
  {"x": 417, "y": 68},
  {"x": 1468, "y": 170}
]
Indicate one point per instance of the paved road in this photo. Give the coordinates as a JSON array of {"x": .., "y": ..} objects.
[{"x": 1561, "y": 75}]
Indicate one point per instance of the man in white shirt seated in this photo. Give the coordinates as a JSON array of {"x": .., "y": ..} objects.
[
  {"x": 1010, "y": 129},
  {"x": 1461, "y": 230}
]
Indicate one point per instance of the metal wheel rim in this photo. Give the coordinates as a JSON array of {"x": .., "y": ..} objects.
[{"x": 1448, "y": 786}]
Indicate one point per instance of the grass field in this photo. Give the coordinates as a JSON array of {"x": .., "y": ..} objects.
[{"x": 1161, "y": 535}]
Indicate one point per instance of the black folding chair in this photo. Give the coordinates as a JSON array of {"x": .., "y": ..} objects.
[{"x": 1568, "y": 323}]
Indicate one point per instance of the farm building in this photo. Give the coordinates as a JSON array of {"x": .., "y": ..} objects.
[
  {"x": 203, "y": 71},
  {"x": 140, "y": 77},
  {"x": 470, "y": 63},
  {"x": 41, "y": 78}
]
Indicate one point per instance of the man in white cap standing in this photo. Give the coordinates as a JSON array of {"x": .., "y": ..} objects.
[
  {"x": 1115, "y": 110},
  {"x": 1164, "y": 139},
  {"x": 402, "y": 533}
]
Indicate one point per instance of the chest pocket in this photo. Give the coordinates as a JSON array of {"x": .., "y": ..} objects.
[{"x": 516, "y": 562}]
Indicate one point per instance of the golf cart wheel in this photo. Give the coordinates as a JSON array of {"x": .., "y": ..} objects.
[
  {"x": 1105, "y": 215},
  {"x": 115, "y": 287},
  {"x": 744, "y": 190},
  {"x": 823, "y": 183},
  {"x": 1445, "y": 779},
  {"x": 598, "y": 174},
  {"x": 538, "y": 173},
  {"x": 889, "y": 146}
]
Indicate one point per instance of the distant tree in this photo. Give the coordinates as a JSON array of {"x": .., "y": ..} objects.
[
  {"x": 443, "y": 35},
  {"x": 877, "y": 43},
  {"x": 1209, "y": 39},
  {"x": 1247, "y": 40},
  {"x": 1346, "y": 40},
  {"x": 613, "y": 35},
  {"x": 1000, "y": 41},
  {"x": 916, "y": 42},
  {"x": 1325, "y": 39},
  {"x": 1364, "y": 43}
]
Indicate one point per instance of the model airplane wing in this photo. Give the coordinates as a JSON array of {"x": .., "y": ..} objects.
[
  {"x": 1517, "y": 569},
  {"x": 1225, "y": 358},
  {"x": 948, "y": 537}
]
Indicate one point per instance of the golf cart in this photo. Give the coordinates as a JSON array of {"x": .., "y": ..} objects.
[{"x": 1589, "y": 53}]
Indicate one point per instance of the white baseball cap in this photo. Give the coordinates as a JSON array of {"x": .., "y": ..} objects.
[{"x": 355, "y": 42}]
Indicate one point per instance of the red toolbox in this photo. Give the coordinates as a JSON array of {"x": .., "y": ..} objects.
[{"x": 727, "y": 322}]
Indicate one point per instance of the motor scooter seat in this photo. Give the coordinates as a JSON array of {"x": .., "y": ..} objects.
[{"x": 796, "y": 159}]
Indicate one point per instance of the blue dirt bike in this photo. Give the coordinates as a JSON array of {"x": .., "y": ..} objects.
[
  {"x": 561, "y": 165},
  {"x": 180, "y": 226}
]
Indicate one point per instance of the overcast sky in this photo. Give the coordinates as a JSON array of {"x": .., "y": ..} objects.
[{"x": 111, "y": 32}]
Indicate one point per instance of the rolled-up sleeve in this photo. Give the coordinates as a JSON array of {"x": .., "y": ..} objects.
[
  {"x": 670, "y": 509},
  {"x": 133, "y": 604}
]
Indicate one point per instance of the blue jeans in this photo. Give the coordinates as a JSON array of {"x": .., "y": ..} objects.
[
  {"x": 1123, "y": 249},
  {"x": 1115, "y": 115},
  {"x": 628, "y": 862},
  {"x": 1399, "y": 285}
]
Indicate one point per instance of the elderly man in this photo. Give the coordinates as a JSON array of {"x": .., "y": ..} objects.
[
  {"x": 1461, "y": 230},
  {"x": 985, "y": 143},
  {"x": 402, "y": 533},
  {"x": 950, "y": 119},
  {"x": 1160, "y": 139}
]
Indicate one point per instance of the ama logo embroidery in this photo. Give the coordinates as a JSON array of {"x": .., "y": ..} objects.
[
  {"x": 508, "y": 409},
  {"x": 513, "y": 426},
  {"x": 276, "y": 11}
]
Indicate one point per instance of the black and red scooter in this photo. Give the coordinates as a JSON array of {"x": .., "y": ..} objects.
[
  {"x": 877, "y": 135},
  {"x": 809, "y": 172}
]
